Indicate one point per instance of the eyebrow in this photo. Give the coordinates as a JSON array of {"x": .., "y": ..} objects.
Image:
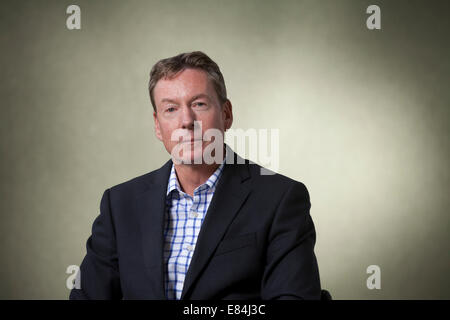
[
  {"x": 168, "y": 100},
  {"x": 197, "y": 96}
]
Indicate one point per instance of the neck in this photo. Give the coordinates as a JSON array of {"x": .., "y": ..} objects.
[{"x": 192, "y": 176}]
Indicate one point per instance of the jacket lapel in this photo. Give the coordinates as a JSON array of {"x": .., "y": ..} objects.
[
  {"x": 150, "y": 209},
  {"x": 228, "y": 198}
]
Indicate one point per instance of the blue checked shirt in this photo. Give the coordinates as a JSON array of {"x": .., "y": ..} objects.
[{"x": 184, "y": 217}]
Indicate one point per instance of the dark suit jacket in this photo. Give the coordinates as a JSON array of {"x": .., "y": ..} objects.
[{"x": 256, "y": 242}]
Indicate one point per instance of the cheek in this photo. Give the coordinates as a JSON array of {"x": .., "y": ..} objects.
[
  {"x": 166, "y": 131},
  {"x": 166, "y": 135},
  {"x": 213, "y": 121}
]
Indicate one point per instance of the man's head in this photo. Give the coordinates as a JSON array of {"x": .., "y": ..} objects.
[
  {"x": 169, "y": 67},
  {"x": 185, "y": 89}
]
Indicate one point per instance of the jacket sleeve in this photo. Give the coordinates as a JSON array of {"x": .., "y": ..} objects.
[
  {"x": 99, "y": 271},
  {"x": 291, "y": 270}
]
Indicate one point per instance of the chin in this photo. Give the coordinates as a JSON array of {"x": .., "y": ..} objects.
[{"x": 188, "y": 156}]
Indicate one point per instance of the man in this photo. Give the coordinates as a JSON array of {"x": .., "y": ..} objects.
[{"x": 196, "y": 228}]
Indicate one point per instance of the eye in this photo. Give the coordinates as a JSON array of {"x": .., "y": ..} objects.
[
  {"x": 199, "y": 104},
  {"x": 170, "y": 109}
]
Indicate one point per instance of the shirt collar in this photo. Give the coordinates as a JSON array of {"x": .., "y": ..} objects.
[{"x": 209, "y": 184}]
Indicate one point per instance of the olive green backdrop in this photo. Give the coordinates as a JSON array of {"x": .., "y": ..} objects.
[{"x": 363, "y": 118}]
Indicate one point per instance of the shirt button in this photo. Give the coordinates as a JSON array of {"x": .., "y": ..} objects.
[
  {"x": 194, "y": 214},
  {"x": 189, "y": 247}
]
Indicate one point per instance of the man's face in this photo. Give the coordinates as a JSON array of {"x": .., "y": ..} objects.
[{"x": 183, "y": 99}]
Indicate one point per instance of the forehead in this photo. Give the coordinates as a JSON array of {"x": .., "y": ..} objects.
[{"x": 185, "y": 84}]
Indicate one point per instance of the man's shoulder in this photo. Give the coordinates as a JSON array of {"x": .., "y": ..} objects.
[
  {"x": 139, "y": 184},
  {"x": 264, "y": 178}
]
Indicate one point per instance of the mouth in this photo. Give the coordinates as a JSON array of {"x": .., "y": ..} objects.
[{"x": 191, "y": 140}]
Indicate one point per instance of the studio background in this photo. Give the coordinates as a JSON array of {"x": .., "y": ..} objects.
[{"x": 363, "y": 118}]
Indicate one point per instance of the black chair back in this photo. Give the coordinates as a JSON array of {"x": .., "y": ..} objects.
[{"x": 325, "y": 295}]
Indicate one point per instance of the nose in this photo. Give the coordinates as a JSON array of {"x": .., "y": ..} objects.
[{"x": 188, "y": 118}]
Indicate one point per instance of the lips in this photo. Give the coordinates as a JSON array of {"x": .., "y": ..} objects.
[{"x": 190, "y": 140}]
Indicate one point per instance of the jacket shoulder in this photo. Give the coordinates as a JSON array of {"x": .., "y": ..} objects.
[
  {"x": 141, "y": 183},
  {"x": 274, "y": 183}
]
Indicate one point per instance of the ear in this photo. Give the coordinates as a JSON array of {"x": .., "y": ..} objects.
[
  {"x": 227, "y": 110},
  {"x": 157, "y": 127}
]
